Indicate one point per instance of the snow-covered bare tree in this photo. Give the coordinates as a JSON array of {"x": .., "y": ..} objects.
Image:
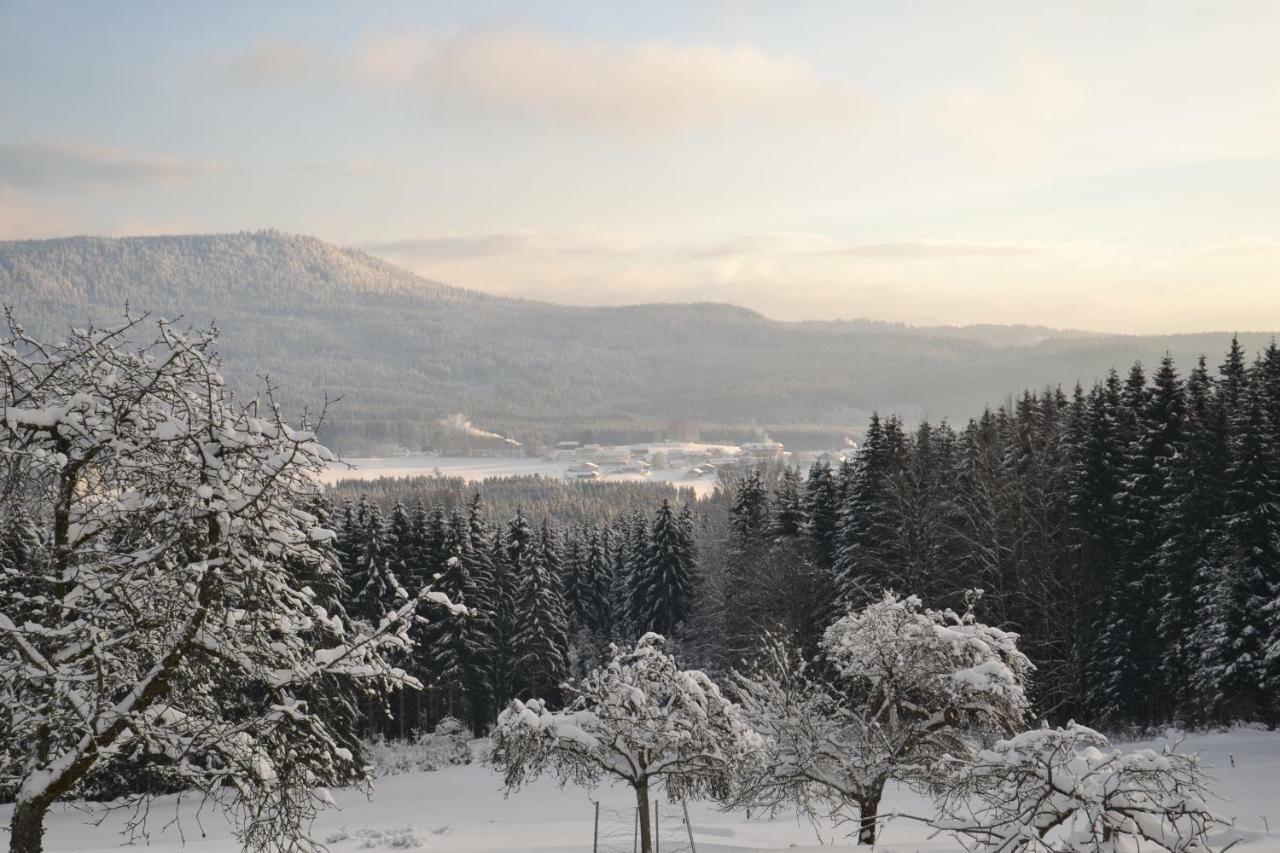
[
  {"x": 901, "y": 687},
  {"x": 170, "y": 626},
  {"x": 1064, "y": 791},
  {"x": 640, "y": 719}
]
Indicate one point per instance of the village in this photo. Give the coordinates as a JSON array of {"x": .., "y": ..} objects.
[{"x": 461, "y": 449}]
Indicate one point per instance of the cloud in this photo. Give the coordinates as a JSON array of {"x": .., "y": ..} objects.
[
  {"x": 45, "y": 165},
  {"x": 1251, "y": 247},
  {"x": 527, "y": 75},
  {"x": 822, "y": 246},
  {"x": 908, "y": 250},
  {"x": 646, "y": 86},
  {"x": 504, "y": 244}
]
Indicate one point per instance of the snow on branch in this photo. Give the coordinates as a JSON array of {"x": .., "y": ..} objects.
[
  {"x": 1059, "y": 790},
  {"x": 171, "y": 619}
]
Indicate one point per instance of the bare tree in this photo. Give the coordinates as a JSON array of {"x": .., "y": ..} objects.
[
  {"x": 639, "y": 719},
  {"x": 901, "y": 687},
  {"x": 1064, "y": 791}
]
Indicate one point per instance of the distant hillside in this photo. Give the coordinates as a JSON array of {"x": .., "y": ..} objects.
[{"x": 403, "y": 351}]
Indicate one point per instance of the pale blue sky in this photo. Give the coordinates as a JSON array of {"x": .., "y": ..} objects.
[{"x": 1103, "y": 165}]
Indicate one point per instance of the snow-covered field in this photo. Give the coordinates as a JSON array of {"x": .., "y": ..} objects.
[
  {"x": 474, "y": 469},
  {"x": 462, "y": 809}
]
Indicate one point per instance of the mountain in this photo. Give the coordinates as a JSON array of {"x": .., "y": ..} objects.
[{"x": 402, "y": 351}]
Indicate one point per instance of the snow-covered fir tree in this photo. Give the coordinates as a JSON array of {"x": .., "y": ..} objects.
[{"x": 541, "y": 637}]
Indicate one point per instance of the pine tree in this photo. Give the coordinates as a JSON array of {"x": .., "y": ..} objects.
[
  {"x": 512, "y": 553},
  {"x": 402, "y": 545},
  {"x": 617, "y": 551},
  {"x": 862, "y": 520},
  {"x": 664, "y": 583},
  {"x": 577, "y": 580},
  {"x": 434, "y": 546},
  {"x": 821, "y": 508},
  {"x": 1235, "y": 671},
  {"x": 457, "y": 645},
  {"x": 750, "y": 514},
  {"x": 600, "y": 569},
  {"x": 375, "y": 590},
  {"x": 541, "y": 639},
  {"x": 1192, "y": 510},
  {"x": 788, "y": 505},
  {"x": 1130, "y": 641}
]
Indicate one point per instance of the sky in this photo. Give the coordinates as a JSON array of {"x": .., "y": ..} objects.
[{"x": 1110, "y": 166}]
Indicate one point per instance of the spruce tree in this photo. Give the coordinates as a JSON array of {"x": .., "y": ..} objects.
[
  {"x": 821, "y": 508},
  {"x": 788, "y": 505},
  {"x": 457, "y": 646},
  {"x": 664, "y": 582},
  {"x": 1129, "y": 644},
  {"x": 1235, "y": 670},
  {"x": 1192, "y": 510},
  {"x": 540, "y": 640},
  {"x": 403, "y": 547},
  {"x": 375, "y": 590},
  {"x": 863, "y": 513},
  {"x": 750, "y": 514},
  {"x": 599, "y": 568}
]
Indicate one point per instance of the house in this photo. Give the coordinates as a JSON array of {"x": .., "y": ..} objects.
[
  {"x": 584, "y": 468},
  {"x": 582, "y": 475},
  {"x": 767, "y": 449},
  {"x": 613, "y": 455}
]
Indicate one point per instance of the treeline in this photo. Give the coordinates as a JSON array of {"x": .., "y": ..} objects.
[
  {"x": 1129, "y": 532},
  {"x": 558, "y": 501},
  {"x": 544, "y": 603}
]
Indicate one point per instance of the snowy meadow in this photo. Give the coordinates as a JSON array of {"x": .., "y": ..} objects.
[{"x": 462, "y": 809}]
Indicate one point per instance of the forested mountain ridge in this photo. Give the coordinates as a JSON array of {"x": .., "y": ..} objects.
[{"x": 402, "y": 351}]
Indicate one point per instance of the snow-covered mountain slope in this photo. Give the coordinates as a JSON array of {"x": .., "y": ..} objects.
[
  {"x": 463, "y": 810},
  {"x": 403, "y": 351}
]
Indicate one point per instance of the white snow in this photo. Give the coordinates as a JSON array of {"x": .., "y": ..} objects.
[
  {"x": 475, "y": 469},
  {"x": 462, "y": 810}
]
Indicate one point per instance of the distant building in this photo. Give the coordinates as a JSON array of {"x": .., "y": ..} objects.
[
  {"x": 613, "y": 456},
  {"x": 582, "y": 475},
  {"x": 767, "y": 449}
]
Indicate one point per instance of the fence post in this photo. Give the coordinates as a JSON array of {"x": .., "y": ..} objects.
[
  {"x": 635, "y": 836},
  {"x": 684, "y": 804},
  {"x": 657, "y": 838},
  {"x": 595, "y": 834}
]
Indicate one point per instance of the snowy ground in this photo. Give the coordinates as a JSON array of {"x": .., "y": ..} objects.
[
  {"x": 473, "y": 469},
  {"x": 462, "y": 810}
]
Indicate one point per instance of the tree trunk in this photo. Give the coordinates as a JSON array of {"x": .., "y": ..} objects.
[
  {"x": 870, "y": 808},
  {"x": 646, "y": 830},
  {"x": 26, "y": 829}
]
